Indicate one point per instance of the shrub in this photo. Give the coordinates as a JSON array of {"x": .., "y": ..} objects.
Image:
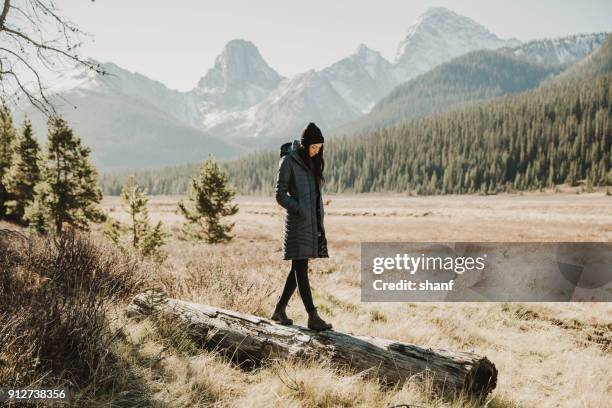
[{"x": 55, "y": 292}]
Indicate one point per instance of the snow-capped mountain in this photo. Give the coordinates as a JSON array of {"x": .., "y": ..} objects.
[
  {"x": 239, "y": 79},
  {"x": 242, "y": 97},
  {"x": 129, "y": 120},
  {"x": 561, "y": 51},
  {"x": 438, "y": 36},
  {"x": 121, "y": 83},
  {"x": 242, "y": 102},
  {"x": 361, "y": 78},
  {"x": 307, "y": 97}
]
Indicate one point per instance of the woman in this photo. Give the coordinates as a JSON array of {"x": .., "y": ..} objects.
[{"x": 300, "y": 174}]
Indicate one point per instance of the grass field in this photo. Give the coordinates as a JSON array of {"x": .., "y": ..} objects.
[{"x": 547, "y": 354}]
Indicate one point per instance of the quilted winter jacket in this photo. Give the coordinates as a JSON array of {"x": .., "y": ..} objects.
[{"x": 296, "y": 192}]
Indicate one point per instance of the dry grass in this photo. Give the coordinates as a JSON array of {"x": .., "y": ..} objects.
[{"x": 547, "y": 354}]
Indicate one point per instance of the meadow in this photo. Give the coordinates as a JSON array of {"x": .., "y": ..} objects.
[{"x": 547, "y": 354}]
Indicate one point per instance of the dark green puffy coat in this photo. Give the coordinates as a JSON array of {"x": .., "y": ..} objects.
[{"x": 296, "y": 192}]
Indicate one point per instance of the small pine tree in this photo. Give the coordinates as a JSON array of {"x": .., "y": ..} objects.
[
  {"x": 145, "y": 238},
  {"x": 112, "y": 230},
  {"x": 210, "y": 200},
  {"x": 7, "y": 138},
  {"x": 24, "y": 173},
  {"x": 68, "y": 192}
]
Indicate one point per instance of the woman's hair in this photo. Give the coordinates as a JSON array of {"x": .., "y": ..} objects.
[{"x": 315, "y": 163}]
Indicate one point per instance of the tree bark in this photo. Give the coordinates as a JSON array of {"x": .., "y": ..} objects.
[{"x": 253, "y": 339}]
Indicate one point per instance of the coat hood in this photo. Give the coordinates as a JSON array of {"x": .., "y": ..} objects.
[{"x": 294, "y": 153}]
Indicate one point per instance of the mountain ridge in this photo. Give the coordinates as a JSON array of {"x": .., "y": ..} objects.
[
  {"x": 566, "y": 142},
  {"x": 243, "y": 101}
]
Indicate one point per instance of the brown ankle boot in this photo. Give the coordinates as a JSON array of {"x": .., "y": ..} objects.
[
  {"x": 316, "y": 323},
  {"x": 280, "y": 315}
]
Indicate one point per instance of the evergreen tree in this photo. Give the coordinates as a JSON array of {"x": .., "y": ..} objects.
[
  {"x": 209, "y": 200},
  {"x": 146, "y": 239},
  {"x": 23, "y": 174},
  {"x": 7, "y": 138},
  {"x": 68, "y": 192},
  {"x": 112, "y": 230}
]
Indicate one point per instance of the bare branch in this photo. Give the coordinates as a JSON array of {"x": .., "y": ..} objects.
[
  {"x": 5, "y": 10},
  {"x": 40, "y": 86},
  {"x": 27, "y": 16},
  {"x": 50, "y": 48},
  {"x": 49, "y": 111},
  {"x": 30, "y": 45},
  {"x": 61, "y": 20}
]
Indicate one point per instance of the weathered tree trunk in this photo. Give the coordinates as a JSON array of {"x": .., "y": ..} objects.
[{"x": 252, "y": 338}]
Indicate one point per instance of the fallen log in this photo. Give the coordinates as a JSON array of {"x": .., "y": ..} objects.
[{"x": 252, "y": 338}]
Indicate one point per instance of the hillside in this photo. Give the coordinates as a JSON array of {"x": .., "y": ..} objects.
[
  {"x": 471, "y": 78},
  {"x": 542, "y": 138},
  {"x": 597, "y": 63},
  {"x": 129, "y": 121},
  {"x": 560, "y": 51}
]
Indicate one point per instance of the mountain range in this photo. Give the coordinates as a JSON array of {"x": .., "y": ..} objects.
[
  {"x": 241, "y": 103},
  {"x": 554, "y": 133}
]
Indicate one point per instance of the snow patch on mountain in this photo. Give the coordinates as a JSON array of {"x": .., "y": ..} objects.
[
  {"x": 438, "y": 36},
  {"x": 239, "y": 79},
  {"x": 561, "y": 51},
  {"x": 303, "y": 98},
  {"x": 361, "y": 78},
  {"x": 125, "y": 85}
]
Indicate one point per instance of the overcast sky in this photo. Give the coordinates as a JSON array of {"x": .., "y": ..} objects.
[{"x": 177, "y": 42}]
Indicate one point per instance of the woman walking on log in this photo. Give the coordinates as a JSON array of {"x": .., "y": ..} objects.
[{"x": 298, "y": 181}]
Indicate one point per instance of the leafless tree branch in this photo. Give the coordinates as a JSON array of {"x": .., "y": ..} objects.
[
  {"x": 34, "y": 36},
  {"x": 35, "y": 73},
  {"x": 5, "y": 10},
  {"x": 32, "y": 100}
]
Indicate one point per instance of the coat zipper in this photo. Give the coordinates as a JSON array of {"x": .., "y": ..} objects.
[{"x": 313, "y": 224}]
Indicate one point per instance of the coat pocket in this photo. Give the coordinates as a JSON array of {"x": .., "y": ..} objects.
[
  {"x": 301, "y": 211},
  {"x": 297, "y": 210}
]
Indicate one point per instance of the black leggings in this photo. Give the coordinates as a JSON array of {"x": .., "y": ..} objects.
[{"x": 298, "y": 276}]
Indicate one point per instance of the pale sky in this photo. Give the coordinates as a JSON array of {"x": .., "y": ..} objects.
[{"x": 177, "y": 42}]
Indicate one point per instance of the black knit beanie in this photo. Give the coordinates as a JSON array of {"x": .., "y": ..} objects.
[{"x": 311, "y": 135}]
